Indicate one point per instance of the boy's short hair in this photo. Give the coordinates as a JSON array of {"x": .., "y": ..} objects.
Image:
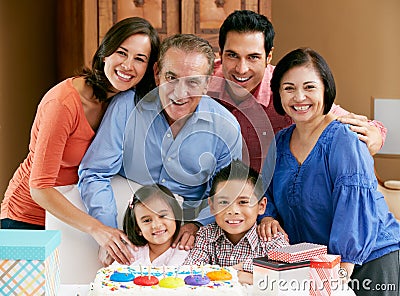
[{"x": 237, "y": 170}]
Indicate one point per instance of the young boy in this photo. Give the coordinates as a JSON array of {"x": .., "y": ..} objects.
[{"x": 236, "y": 199}]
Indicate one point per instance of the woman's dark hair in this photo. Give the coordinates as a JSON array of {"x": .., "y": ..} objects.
[
  {"x": 300, "y": 57},
  {"x": 131, "y": 227},
  {"x": 244, "y": 21},
  {"x": 118, "y": 33}
]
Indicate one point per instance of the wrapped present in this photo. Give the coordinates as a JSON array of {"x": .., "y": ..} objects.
[
  {"x": 279, "y": 278},
  {"x": 297, "y": 252},
  {"x": 324, "y": 274},
  {"x": 29, "y": 262}
]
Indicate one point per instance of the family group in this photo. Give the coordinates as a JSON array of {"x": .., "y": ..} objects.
[{"x": 259, "y": 155}]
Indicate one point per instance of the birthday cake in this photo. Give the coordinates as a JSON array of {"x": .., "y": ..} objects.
[{"x": 152, "y": 281}]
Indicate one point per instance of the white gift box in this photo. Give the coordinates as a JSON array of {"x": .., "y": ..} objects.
[{"x": 280, "y": 278}]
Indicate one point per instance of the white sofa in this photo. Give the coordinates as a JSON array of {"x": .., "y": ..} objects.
[{"x": 78, "y": 250}]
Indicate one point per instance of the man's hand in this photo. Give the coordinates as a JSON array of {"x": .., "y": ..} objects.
[
  {"x": 186, "y": 236},
  {"x": 268, "y": 228},
  {"x": 367, "y": 133},
  {"x": 114, "y": 245}
]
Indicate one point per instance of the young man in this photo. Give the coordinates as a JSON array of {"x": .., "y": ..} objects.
[
  {"x": 175, "y": 136},
  {"x": 246, "y": 46},
  {"x": 236, "y": 199}
]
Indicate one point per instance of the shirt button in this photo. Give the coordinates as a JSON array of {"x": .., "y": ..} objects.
[
  {"x": 169, "y": 158},
  {"x": 168, "y": 135},
  {"x": 163, "y": 181}
]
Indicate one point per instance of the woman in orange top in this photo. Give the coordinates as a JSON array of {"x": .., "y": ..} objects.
[{"x": 65, "y": 124}]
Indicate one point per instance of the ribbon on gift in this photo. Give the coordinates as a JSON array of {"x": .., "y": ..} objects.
[{"x": 324, "y": 261}]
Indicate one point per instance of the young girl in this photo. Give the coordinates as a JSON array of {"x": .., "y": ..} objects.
[{"x": 152, "y": 221}]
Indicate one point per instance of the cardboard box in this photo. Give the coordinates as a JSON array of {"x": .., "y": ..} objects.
[
  {"x": 280, "y": 278},
  {"x": 29, "y": 262},
  {"x": 324, "y": 274},
  {"x": 297, "y": 252}
]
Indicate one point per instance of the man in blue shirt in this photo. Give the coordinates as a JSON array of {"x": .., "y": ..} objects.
[{"x": 175, "y": 136}]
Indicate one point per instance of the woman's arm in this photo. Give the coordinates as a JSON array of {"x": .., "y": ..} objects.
[
  {"x": 356, "y": 203},
  {"x": 109, "y": 238}
]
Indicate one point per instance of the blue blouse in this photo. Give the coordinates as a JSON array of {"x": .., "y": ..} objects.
[{"x": 331, "y": 199}]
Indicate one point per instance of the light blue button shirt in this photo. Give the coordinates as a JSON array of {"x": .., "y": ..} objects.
[{"x": 137, "y": 143}]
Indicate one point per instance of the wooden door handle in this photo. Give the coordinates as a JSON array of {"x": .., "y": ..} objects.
[{"x": 138, "y": 3}]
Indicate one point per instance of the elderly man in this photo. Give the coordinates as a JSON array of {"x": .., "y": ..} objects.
[{"x": 175, "y": 136}]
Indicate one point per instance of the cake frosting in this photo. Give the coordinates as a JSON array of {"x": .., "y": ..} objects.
[{"x": 168, "y": 280}]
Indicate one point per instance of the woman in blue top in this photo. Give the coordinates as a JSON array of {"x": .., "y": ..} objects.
[{"x": 324, "y": 188}]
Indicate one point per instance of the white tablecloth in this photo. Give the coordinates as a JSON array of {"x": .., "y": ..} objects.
[
  {"x": 83, "y": 290},
  {"x": 73, "y": 290}
]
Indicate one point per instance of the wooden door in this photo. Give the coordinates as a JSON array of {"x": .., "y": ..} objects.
[
  {"x": 164, "y": 15},
  {"x": 200, "y": 17},
  {"x": 82, "y": 24},
  {"x": 204, "y": 17}
]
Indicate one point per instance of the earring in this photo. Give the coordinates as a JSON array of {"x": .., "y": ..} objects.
[{"x": 140, "y": 233}]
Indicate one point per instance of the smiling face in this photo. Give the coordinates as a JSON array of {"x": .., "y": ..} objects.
[
  {"x": 236, "y": 208},
  {"x": 127, "y": 65},
  {"x": 182, "y": 82},
  {"x": 244, "y": 59},
  {"x": 302, "y": 94},
  {"x": 156, "y": 221}
]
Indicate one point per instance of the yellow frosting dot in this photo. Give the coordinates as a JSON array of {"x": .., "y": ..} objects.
[{"x": 171, "y": 282}]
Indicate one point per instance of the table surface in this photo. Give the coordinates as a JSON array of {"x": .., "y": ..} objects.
[
  {"x": 83, "y": 290},
  {"x": 73, "y": 290}
]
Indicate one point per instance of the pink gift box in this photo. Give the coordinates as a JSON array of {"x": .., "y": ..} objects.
[
  {"x": 324, "y": 274},
  {"x": 297, "y": 252}
]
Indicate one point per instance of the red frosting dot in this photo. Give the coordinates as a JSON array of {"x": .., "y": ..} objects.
[{"x": 146, "y": 280}]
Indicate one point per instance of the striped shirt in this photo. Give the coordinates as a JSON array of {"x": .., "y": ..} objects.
[{"x": 213, "y": 247}]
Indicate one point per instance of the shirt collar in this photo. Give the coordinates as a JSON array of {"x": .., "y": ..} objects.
[{"x": 251, "y": 236}]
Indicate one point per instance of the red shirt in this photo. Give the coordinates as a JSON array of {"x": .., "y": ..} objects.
[{"x": 256, "y": 115}]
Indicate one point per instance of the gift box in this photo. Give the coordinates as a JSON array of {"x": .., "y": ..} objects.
[
  {"x": 297, "y": 252},
  {"x": 280, "y": 278},
  {"x": 29, "y": 262},
  {"x": 324, "y": 274}
]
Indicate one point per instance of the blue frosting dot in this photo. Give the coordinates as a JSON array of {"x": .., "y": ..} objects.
[{"x": 122, "y": 277}]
